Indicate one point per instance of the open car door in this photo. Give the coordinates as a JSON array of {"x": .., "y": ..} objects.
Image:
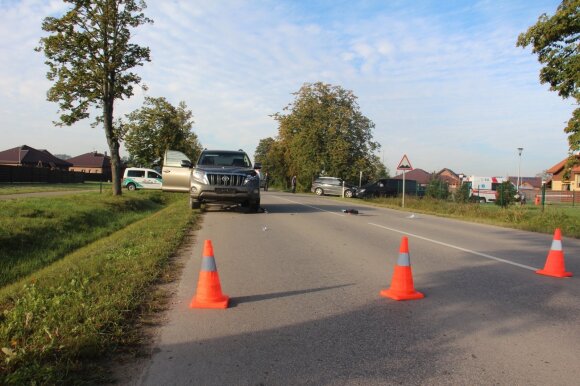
[{"x": 176, "y": 172}]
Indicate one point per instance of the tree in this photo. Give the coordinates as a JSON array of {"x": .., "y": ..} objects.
[
  {"x": 323, "y": 131},
  {"x": 156, "y": 127},
  {"x": 437, "y": 188},
  {"x": 556, "y": 41},
  {"x": 90, "y": 58},
  {"x": 378, "y": 169},
  {"x": 505, "y": 194},
  {"x": 264, "y": 147},
  {"x": 463, "y": 193}
]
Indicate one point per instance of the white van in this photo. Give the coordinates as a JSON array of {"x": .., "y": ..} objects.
[{"x": 140, "y": 178}]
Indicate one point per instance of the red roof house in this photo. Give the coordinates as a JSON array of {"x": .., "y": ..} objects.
[
  {"x": 558, "y": 180},
  {"x": 28, "y": 156},
  {"x": 419, "y": 175},
  {"x": 92, "y": 162}
]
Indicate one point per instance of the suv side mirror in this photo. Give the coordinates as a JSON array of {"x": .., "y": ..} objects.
[
  {"x": 186, "y": 163},
  {"x": 257, "y": 165}
]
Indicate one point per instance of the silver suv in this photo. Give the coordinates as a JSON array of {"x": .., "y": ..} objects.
[
  {"x": 332, "y": 186},
  {"x": 220, "y": 176}
]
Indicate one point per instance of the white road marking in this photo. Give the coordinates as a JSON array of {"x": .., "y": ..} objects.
[
  {"x": 456, "y": 247},
  {"x": 422, "y": 238}
]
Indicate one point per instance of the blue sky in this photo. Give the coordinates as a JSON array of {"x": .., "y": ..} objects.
[{"x": 443, "y": 81}]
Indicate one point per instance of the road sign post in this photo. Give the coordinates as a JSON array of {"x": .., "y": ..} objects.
[{"x": 404, "y": 165}]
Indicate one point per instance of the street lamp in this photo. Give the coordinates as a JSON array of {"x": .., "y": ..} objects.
[{"x": 520, "y": 149}]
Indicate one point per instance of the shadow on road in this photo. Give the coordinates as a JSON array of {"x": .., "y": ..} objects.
[{"x": 255, "y": 298}]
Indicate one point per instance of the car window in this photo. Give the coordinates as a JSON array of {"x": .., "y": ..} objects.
[
  {"x": 225, "y": 159},
  {"x": 174, "y": 158},
  {"x": 153, "y": 175},
  {"x": 135, "y": 173}
]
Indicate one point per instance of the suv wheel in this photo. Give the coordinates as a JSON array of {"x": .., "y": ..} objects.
[
  {"x": 348, "y": 193},
  {"x": 194, "y": 204},
  {"x": 131, "y": 186},
  {"x": 319, "y": 191},
  {"x": 255, "y": 206}
]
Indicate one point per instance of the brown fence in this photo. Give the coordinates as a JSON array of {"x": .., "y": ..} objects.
[
  {"x": 12, "y": 174},
  {"x": 570, "y": 198}
]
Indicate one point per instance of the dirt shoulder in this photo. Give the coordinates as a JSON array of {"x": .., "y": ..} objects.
[{"x": 128, "y": 366}]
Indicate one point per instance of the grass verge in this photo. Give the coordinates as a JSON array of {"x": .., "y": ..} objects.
[
  {"x": 60, "y": 321},
  {"x": 21, "y": 188},
  {"x": 526, "y": 217},
  {"x": 36, "y": 232}
]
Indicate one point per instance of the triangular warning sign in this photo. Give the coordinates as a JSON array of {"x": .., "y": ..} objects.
[{"x": 404, "y": 164}]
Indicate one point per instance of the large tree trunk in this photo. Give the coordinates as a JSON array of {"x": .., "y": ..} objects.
[{"x": 113, "y": 143}]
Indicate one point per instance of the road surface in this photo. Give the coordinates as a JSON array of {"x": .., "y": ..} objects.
[{"x": 304, "y": 281}]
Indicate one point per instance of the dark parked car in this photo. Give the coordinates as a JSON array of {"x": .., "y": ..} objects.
[
  {"x": 388, "y": 187},
  {"x": 332, "y": 186}
]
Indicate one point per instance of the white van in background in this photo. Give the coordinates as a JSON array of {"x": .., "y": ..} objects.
[{"x": 140, "y": 178}]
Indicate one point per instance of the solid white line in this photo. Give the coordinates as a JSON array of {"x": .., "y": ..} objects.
[
  {"x": 423, "y": 238},
  {"x": 458, "y": 248},
  {"x": 313, "y": 207}
]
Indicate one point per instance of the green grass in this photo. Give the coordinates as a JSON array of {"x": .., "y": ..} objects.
[
  {"x": 60, "y": 321},
  {"x": 526, "y": 217},
  {"x": 20, "y": 188},
  {"x": 36, "y": 232}
]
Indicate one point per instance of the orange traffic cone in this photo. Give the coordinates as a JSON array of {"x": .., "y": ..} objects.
[
  {"x": 555, "y": 261},
  {"x": 402, "y": 283},
  {"x": 209, "y": 291}
]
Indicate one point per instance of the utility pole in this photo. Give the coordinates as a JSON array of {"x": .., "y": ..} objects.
[{"x": 520, "y": 149}]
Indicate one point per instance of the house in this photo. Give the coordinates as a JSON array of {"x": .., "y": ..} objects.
[
  {"x": 527, "y": 183},
  {"x": 558, "y": 181},
  {"x": 452, "y": 179},
  {"x": 28, "y": 156},
  {"x": 419, "y": 175},
  {"x": 92, "y": 163}
]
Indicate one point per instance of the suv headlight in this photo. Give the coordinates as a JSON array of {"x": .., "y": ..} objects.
[
  {"x": 200, "y": 176},
  {"x": 251, "y": 179}
]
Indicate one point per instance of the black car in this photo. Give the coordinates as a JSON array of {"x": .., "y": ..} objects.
[{"x": 387, "y": 187}]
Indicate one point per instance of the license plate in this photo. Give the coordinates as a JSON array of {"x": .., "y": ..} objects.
[{"x": 225, "y": 191}]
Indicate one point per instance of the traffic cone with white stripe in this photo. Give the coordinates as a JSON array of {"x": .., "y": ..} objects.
[
  {"x": 402, "y": 284},
  {"x": 555, "y": 261},
  {"x": 209, "y": 291}
]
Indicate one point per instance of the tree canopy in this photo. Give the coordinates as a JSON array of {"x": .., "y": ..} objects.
[
  {"x": 437, "y": 188},
  {"x": 555, "y": 39},
  {"x": 322, "y": 132},
  {"x": 264, "y": 147},
  {"x": 90, "y": 57},
  {"x": 156, "y": 127}
]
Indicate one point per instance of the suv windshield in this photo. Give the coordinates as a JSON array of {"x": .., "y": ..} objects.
[{"x": 224, "y": 158}]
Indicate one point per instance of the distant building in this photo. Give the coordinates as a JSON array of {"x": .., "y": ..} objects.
[
  {"x": 452, "y": 179},
  {"x": 28, "y": 156},
  {"x": 419, "y": 175},
  {"x": 92, "y": 163},
  {"x": 559, "y": 182},
  {"x": 527, "y": 183}
]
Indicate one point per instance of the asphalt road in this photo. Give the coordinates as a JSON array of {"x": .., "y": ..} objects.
[{"x": 304, "y": 281}]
